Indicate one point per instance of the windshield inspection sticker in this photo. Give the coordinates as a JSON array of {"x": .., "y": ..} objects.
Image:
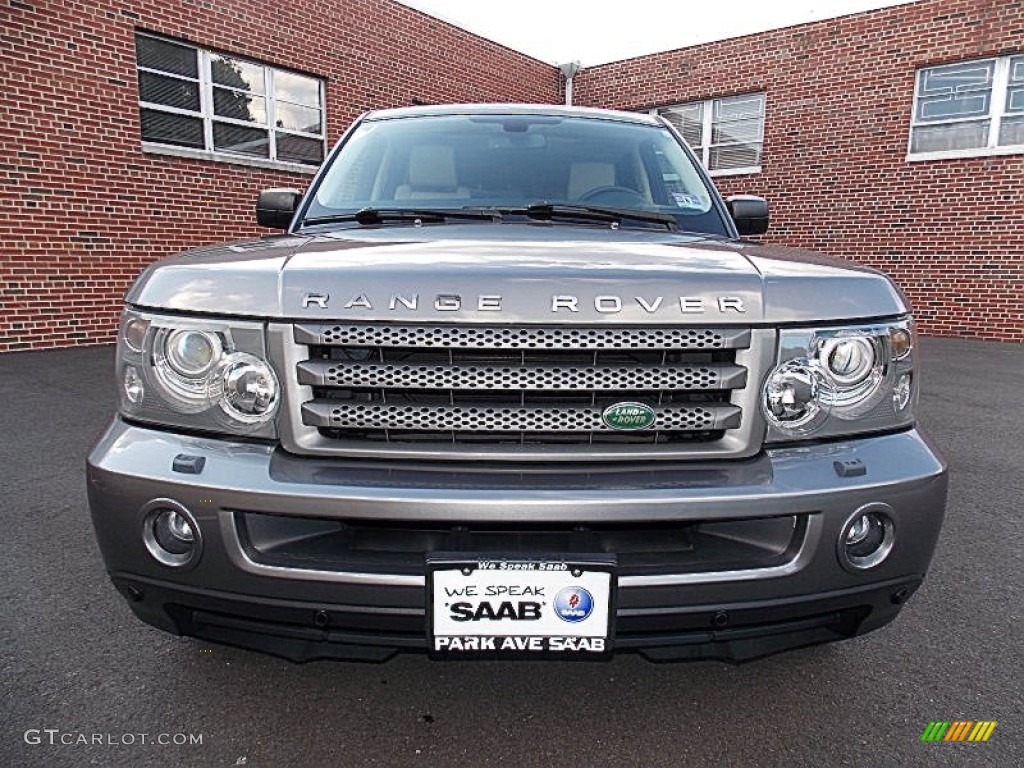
[{"x": 684, "y": 200}]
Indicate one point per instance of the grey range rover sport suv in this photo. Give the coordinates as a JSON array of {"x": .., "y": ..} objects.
[{"x": 511, "y": 384}]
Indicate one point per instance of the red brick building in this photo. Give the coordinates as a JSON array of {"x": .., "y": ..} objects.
[
  {"x": 837, "y": 164},
  {"x": 136, "y": 128},
  {"x": 85, "y": 205}
]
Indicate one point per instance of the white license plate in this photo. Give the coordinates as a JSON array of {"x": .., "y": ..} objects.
[{"x": 520, "y": 607}]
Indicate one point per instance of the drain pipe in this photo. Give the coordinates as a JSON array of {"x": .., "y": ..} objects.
[{"x": 569, "y": 72}]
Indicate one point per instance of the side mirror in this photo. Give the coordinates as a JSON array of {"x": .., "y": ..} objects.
[
  {"x": 275, "y": 208},
  {"x": 749, "y": 213}
]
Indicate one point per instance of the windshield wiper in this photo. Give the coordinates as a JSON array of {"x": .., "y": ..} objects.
[
  {"x": 371, "y": 216},
  {"x": 551, "y": 211}
]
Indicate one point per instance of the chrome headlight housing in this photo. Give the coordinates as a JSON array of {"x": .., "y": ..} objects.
[
  {"x": 198, "y": 373},
  {"x": 841, "y": 380}
]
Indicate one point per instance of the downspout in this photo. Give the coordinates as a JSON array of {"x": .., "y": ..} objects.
[{"x": 569, "y": 72}]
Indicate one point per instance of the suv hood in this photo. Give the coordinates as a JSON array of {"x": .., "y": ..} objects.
[{"x": 516, "y": 274}]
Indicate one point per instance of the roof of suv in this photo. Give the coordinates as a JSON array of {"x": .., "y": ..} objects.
[{"x": 554, "y": 110}]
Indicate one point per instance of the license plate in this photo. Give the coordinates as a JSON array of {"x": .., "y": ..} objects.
[{"x": 503, "y": 607}]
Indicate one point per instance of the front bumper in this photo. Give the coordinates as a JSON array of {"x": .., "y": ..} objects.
[{"x": 305, "y": 613}]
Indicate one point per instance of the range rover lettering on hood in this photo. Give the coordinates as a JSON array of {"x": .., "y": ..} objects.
[
  {"x": 519, "y": 281},
  {"x": 566, "y": 303}
]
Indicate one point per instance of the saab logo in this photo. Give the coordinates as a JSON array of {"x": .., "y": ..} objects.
[
  {"x": 574, "y": 604},
  {"x": 959, "y": 730},
  {"x": 485, "y": 611},
  {"x": 628, "y": 416}
]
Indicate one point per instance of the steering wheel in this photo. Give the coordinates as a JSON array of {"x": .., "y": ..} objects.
[{"x": 613, "y": 194}]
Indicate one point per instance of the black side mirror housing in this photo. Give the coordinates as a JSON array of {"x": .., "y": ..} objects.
[
  {"x": 749, "y": 213},
  {"x": 275, "y": 208}
]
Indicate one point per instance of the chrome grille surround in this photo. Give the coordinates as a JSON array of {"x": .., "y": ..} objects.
[{"x": 421, "y": 399}]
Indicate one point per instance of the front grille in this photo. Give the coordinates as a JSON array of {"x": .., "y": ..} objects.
[{"x": 529, "y": 385}]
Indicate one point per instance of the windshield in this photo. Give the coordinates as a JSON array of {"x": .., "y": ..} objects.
[{"x": 512, "y": 162}]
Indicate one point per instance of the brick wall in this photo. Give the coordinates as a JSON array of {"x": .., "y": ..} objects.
[
  {"x": 83, "y": 209},
  {"x": 837, "y": 115}
]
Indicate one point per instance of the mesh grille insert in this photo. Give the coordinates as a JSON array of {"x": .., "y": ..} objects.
[
  {"x": 470, "y": 377},
  {"x": 483, "y": 419},
  {"x": 503, "y": 337}
]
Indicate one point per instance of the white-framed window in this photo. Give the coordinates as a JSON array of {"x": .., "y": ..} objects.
[
  {"x": 226, "y": 107},
  {"x": 969, "y": 108},
  {"x": 727, "y": 133}
]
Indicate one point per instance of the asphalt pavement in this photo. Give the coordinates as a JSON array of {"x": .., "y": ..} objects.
[{"x": 78, "y": 667}]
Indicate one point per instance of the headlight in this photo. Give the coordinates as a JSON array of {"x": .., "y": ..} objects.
[
  {"x": 181, "y": 362},
  {"x": 793, "y": 397},
  {"x": 201, "y": 374},
  {"x": 837, "y": 381},
  {"x": 849, "y": 358},
  {"x": 192, "y": 353},
  {"x": 246, "y": 388}
]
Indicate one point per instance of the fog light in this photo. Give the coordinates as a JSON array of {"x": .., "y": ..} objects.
[
  {"x": 170, "y": 533},
  {"x": 867, "y": 537},
  {"x": 173, "y": 532}
]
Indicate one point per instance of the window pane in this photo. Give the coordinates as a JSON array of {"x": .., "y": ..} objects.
[
  {"x": 1017, "y": 69},
  {"x": 739, "y": 107},
  {"x": 734, "y": 156},
  {"x": 167, "y": 57},
  {"x": 1011, "y": 132},
  {"x": 170, "y": 91},
  {"x": 936, "y": 138},
  {"x": 166, "y": 128},
  {"x": 238, "y": 138},
  {"x": 970, "y": 104},
  {"x": 952, "y": 78},
  {"x": 239, "y": 105},
  {"x": 237, "y": 74},
  {"x": 294, "y": 118},
  {"x": 743, "y": 131},
  {"x": 688, "y": 119},
  {"x": 296, "y": 88},
  {"x": 297, "y": 149},
  {"x": 1015, "y": 99}
]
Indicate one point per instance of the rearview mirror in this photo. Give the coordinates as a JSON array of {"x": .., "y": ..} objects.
[
  {"x": 275, "y": 208},
  {"x": 749, "y": 213}
]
